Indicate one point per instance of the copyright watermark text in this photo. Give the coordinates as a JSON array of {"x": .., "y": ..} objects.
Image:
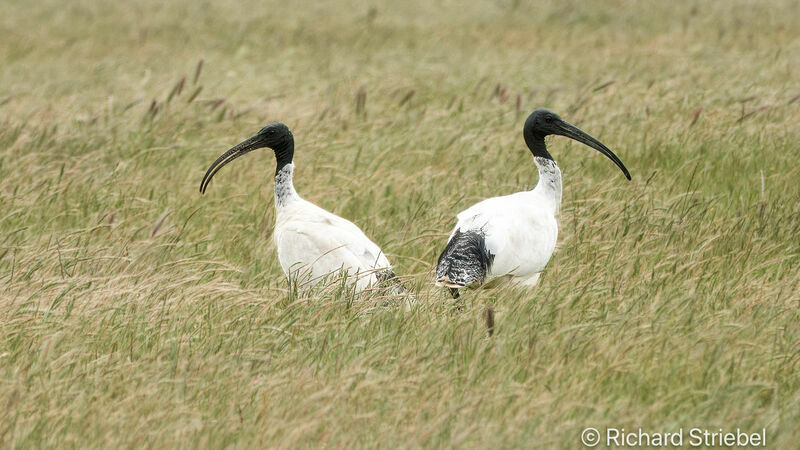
[{"x": 691, "y": 437}]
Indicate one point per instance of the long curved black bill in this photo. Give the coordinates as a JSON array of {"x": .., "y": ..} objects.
[
  {"x": 575, "y": 133},
  {"x": 236, "y": 151}
]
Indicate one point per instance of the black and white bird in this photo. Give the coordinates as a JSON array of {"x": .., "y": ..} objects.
[
  {"x": 312, "y": 243},
  {"x": 511, "y": 238}
]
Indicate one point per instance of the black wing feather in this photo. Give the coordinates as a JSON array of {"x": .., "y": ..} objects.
[{"x": 465, "y": 260}]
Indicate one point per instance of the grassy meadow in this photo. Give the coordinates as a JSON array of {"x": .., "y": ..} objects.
[{"x": 135, "y": 312}]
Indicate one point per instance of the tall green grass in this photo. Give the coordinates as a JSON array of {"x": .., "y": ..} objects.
[{"x": 136, "y": 312}]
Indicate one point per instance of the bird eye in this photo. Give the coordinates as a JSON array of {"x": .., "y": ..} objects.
[{"x": 548, "y": 119}]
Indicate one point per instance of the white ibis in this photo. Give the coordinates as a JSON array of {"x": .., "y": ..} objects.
[
  {"x": 511, "y": 238},
  {"x": 312, "y": 243}
]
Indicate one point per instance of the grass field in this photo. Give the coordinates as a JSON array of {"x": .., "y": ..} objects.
[{"x": 135, "y": 312}]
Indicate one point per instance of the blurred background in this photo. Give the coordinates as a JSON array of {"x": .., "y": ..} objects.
[{"x": 137, "y": 312}]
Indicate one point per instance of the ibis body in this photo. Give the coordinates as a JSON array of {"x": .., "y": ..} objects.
[
  {"x": 511, "y": 238},
  {"x": 312, "y": 243}
]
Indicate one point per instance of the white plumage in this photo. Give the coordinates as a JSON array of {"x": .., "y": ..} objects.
[
  {"x": 312, "y": 243},
  {"x": 511, "y": 238},
  {"x": 519, "y": 230}
]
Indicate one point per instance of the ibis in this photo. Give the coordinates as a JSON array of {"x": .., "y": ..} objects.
[
  {"x": 312, "y": 243},
  {"x": 510, "y": 239}
]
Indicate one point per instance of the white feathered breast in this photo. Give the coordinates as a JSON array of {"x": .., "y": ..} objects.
[{"x": 313, "y": 243}]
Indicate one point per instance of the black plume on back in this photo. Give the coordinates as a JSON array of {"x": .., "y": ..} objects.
[{"x": 465, "y": 260}]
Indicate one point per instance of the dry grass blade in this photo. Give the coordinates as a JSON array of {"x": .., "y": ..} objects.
[{"x": 197, "y": 71}]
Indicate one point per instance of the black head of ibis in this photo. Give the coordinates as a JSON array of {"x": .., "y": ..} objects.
[
  {"x": 543, "y": 122},
  {"x": 275, "y": 136}
]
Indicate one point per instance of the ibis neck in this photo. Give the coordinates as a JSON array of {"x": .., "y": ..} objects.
[
  {"x": 284, "y": 187},
  {"x": 283, "y": 155},
  {"x": 549, "y": 183},
  {"x": 537, "y": 146}
]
